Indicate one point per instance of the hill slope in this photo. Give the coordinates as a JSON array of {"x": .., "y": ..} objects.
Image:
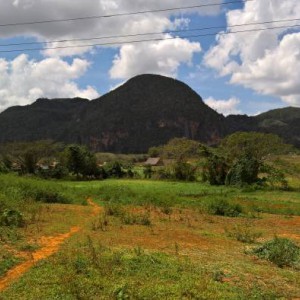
[{"x": 146, "y": 111}]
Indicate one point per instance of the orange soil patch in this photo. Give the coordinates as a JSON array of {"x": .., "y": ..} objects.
[
  {"x": 96, "y": 207},
  {"x": 51, "y": 245},
  {"x": 290, "y": 236},
  {"x": 186, "y": 230}
]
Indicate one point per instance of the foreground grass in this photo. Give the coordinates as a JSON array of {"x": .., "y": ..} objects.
[
  {"x": 153, "y": 240},
  {"x": 95, "y": 273}
]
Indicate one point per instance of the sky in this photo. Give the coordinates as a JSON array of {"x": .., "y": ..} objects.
[{"x": 234, "y": 72}]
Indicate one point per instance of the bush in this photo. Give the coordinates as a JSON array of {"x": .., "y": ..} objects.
[
  {"x": 163, "y": 173},
  {"x": 244, "y": 233},
  {"x": 114, "y": 169},
  {"x": 3, "y": 168},
  {"x": 49, "y": 197},
  {"x": 134, "y": 219},
  {"x": 280, "y": 251},
  {"x": 224, "y": 208},
  {"x": 58, "y": 172},
  {"x": 244, "y": 171},
  {"x": 275, "y": 178},
  {"x": 148, "y": 171},
  {"x": 184, "y": 171},
  {"x": 10, "y": 217},
  {"x": 112, "y": 209},
  {"x": 215, "y": 170}
]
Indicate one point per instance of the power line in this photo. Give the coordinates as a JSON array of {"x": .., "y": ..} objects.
[
  {"x": 125, "y": 14},
  {"x": 149, "y": 33},
  {"x": 148, "y": 40}
]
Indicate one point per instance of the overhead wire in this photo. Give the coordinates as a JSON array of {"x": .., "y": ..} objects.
[
  {"x": 125, "y": 13},
  {"x": 148, "y": 33},
  {"x": 116, "y": 43}
]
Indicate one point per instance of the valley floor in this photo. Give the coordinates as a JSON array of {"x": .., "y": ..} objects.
[{"x": 136, "y": 239}]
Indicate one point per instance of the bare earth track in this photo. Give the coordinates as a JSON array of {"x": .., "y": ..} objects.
[{"x": 50, "y": 245}]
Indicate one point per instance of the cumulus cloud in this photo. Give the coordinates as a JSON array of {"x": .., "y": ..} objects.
[
  {"x": 35, "y": 10},
  {"x": 225, "y": 107},
  {"x": 266, "y": 61},
  {"x": 22, "y": 80},
  {"x": 163, "y": 57}
]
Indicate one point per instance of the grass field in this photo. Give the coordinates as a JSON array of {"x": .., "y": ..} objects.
[{"x": 146, "y": 240}]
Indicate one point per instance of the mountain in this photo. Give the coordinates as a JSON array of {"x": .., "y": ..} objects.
[
  {"x": 148, "y": 110},
  {"x": 44, "y": 119},
  {"x": 284, "y": 122}
]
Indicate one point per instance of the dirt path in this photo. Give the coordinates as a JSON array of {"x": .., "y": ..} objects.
[
  {"x": 51, "y": 245},
  {"x": 96, "y": 207}
]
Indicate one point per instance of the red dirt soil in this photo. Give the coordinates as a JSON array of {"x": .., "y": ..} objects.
[{"x": 51, "y": 245}]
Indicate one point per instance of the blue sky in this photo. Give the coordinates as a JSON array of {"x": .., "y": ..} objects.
[{"x": 245, "y": 73}]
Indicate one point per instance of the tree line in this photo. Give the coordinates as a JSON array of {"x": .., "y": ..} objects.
[{"x": 240, "y": 159}]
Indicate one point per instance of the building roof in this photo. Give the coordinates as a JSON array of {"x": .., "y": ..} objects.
[{"x": 152, "y": 161}]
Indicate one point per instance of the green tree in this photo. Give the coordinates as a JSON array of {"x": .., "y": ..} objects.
[
  {"x": 182, "y": 148},
  {"x": 80, "y": 161},
  {"x": 258, "y": 145}
]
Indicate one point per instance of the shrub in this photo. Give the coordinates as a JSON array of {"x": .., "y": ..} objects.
[
  {"x": 148, "y": 171},
  {"x": 184, "y": 171},
  {"x": 49, "y": 197},
  {"x": 163, "y": 173},
  {"x": 133, "y": 219},
  {"x": 58, "y": 172},
  {"x": 3, "y": 168},
  {"x": 10, "y": 217},
  {"x": 222, "y": 207},
  {"x": 244, "y": 171},
  {"x": 275, "y": 177},
  {"x": 244, "y": 233},
  {"x": 280, "y": 251},
  {"x": 115, "y": 210},
  {"x": 215, "y": 170},
  {"x": 114, "y": 169}
]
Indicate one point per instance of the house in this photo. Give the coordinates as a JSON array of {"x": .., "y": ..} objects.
[{"x": 154, "y": 161}]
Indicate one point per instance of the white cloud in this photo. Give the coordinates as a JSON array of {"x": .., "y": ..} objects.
[
  {"x": 162, "y": 57},
  {"x": 266, "y": 61},
  {"x": 22, "y": 81},
  {"x": 35, "y": 10},
  {"x": 225, "y": 107}
]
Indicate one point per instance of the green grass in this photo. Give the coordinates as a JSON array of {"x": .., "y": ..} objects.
[
  {"x": 184, "y": 195},
  {"x": 15, "y": 189},
  {"x": 7, "y": 260},
  {"x": 96, "y": 272}
]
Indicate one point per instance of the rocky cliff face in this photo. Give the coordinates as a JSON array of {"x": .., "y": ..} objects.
[{"x": 148, "y": 110}]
